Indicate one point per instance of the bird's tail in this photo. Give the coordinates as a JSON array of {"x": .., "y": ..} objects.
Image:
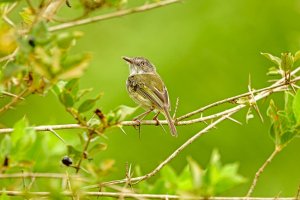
[{"x": 170, "y": 122}]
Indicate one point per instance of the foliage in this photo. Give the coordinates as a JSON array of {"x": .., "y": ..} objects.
[
  {"x": 193, "y": 180},
  {"x": 36, "y": 60}
]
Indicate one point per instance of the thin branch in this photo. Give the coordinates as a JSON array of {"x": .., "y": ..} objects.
[
  {"x": 39, "y": 175},
  {"x": 273, "y": 88},
  {"x": 260, "y": 170},
  {"x": 225, "y": 115},
  {"x": 173, "y": 155},
  {"x": 119, "y": 13},
  {"x": 49, "y": 10},
  {"x": 232, "y": 99},
  {"x": 13, "y": 101},
  {"x": 133, "y": 195},
  {"x": 10, "y": 57}
]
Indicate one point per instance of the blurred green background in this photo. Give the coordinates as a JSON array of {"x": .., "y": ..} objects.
[{"x": 204, "y": 51}]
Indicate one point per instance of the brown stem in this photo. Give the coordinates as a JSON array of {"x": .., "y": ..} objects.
[{"x": 260, "y": 171}]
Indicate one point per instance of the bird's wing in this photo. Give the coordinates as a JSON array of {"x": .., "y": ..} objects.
[{"x": 151, "y": 87}]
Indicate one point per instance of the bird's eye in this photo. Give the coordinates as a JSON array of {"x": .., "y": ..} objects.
[{"x": 143, "y": 63}]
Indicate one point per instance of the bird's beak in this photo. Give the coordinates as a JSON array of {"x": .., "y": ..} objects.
[{"x": 127, "y": 59}]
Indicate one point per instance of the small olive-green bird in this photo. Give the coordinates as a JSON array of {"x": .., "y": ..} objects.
[{"x": 147, "y": 89}]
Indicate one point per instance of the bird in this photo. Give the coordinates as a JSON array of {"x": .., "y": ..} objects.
[{"x": 147, "y": 89}]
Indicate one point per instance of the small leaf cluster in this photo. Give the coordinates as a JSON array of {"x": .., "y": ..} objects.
[
  {"x": 194, "y": 180},
  {"x": 42, "y": 59},
  {"x": 285, "y": 123},
  {"x": 284, "y": 64}
]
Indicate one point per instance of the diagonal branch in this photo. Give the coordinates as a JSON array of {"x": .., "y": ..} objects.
[
  {"x": 260, "y": 171},
  {"x": 276, "y": 87},
  {"x": 278, "y": 83},
  {"x": 119, "y": 195},
  {"x": 119, "y": 13}
]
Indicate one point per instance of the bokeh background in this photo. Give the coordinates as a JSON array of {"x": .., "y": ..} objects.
[{"x": 204, "y": 51}]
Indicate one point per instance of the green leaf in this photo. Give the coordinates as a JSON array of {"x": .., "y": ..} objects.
[
  {"x": 287, "y": 136},
  {"x": 296, "y": 106},
  {"x": 196, "y": 172},
  {"x": 73, "y": 152},
  {"x": 88, "y": 104},
  {"x": 40, "y": 33},
  {"x": 217, "y": 178},
  {"x": 19, "y": 130},
  {"x": 58, "y": 87},
  {"x": 97, "y": 148},
  {"x": 83, "y": 92},
  {"x": 74, "y": 66},
  {"x": 169, "y": 174},
  {"x": 5, "y": 146},
  {"x": 228, "y": 179},
  {"x": 4, "y": 195},
  {"x": 287, "y": 61},
  {"x": 185, "y": 180},
  {"x": 67, "y": 39},
  {"x": 272, "y": 111},
  {"x": 66, "y": 99},
  {"x": 297, "y": 56},
  {"x": 27, "y": 15},
  {"x": 22, "y": 137},
  {"x": 121, "y": 112},
  {"x": 272, "y": 58}
]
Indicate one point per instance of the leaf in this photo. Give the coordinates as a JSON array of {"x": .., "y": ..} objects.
[
  {"x": 22, "y": 137},
  {"x": 121, "y": 112},
  {"x": 58, "y": 87},
  {"x": 88, "y": 104},
  {"x": 217, "y": 178},
  {"x": 287, "y": 61},
  {"x": 19, "y": 130},
  {"x": 97, "y": 148},
  {"x": 287, "y": 136},
  {"x": 4, "y": 195},
  {"x": 67, "y": 39},
  {"x": 75, "y": 66},
  {"x": 272, "y": 111},
  {"x": 168, "y": 173},
  {"x": 27, "y": 15},
  {"x": 288, "y": 107},
  {"x": 66, "y": 99},
  {"x": 83, "y": 92},
  {"x": 297, "y": 56},
  {"x": 5, "y": 146},
  {"x": 185, "y": 180},
  {"x": 73, "y": 152},
  {"x": 73, "y": 86},
  {"x": 296, "y": 106},
  {"x": 228, "y": 179},
  {"x": 196, "y": 172},
  {"x": 272, "y": 58},
  {"x": 40, "y": 33}
]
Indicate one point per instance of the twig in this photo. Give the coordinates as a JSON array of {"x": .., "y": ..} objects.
[
  {"x": 260, "y": 170},
  {"x": 13, "y": 101},
  {"x": 133, "y": 195},
  {"x": 225, "y": 115},
  {"x": 174, "y": 154},
  {"x": 273, "y": 88},
  {"x": 298, "y": 194},
  {"x": 84, "y": 151},
  {"x": 49, "y": 10},
  {"x": 9, "y": 57},
  {"x": 39, "y": 175},
  {"x": 232, "y": 99},
  {"x": 119, "y": 13}
]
